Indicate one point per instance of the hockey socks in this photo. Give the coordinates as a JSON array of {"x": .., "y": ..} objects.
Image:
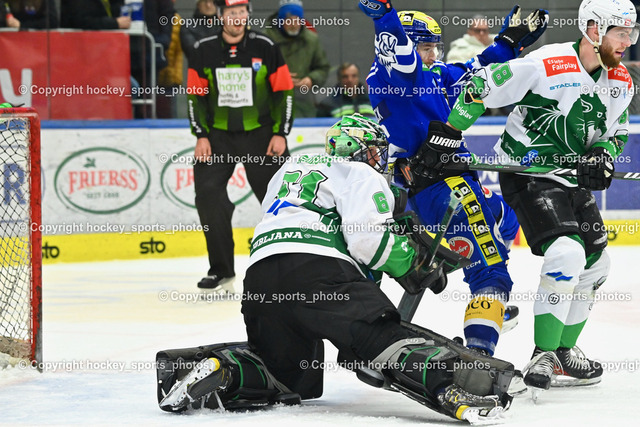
[
  {"x": 483, "y": 320},
  {"x": 566, "y": 293},
  {"x": 564, "y": 260}
]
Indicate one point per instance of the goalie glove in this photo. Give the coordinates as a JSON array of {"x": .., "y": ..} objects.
[
  {"x": 421, "y": 276},
  {"x": 375, "y": 8},
  {"x": 519, "y": 33},
  {"x": 595, "y": 169},
  {"x": 437, "y": 150}
]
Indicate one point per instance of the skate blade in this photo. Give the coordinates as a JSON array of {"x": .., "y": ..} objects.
[
  {"x": 536, "y": 393},
  {"x": 178, "y": 396},
  {"x": 482, "y": 416},
  {"x": 565, "y": 381}
]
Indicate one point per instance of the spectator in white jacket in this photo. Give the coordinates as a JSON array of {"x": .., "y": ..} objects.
[{"x": 472, "y": 43}]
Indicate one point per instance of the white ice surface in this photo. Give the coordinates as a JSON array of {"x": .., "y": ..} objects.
[{"x": 111, "y": 312}]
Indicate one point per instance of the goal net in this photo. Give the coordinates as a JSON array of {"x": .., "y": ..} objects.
[{"x": 20, "y": 239}]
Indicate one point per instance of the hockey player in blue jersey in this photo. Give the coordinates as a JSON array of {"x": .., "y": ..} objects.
[{"x": 410, "y": 91}]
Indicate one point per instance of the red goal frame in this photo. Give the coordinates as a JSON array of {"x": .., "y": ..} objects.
[{"x": 35, "y": 215}]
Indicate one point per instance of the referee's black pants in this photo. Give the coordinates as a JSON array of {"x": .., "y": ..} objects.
[{"x": 212, "y": 201}]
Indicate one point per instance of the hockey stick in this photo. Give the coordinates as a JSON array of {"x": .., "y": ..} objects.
[
  {"x": 409, "y": 303},
  {"x": 460, "y": 164}
]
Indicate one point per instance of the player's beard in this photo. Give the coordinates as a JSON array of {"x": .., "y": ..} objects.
[{"x": 608, "y": 56}]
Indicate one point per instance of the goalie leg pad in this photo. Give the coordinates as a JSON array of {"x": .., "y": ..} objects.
[
  {"x": 251, "y": 383},
  {"x": 476, "y": 373},
  {"x": 423, "y": 366}
]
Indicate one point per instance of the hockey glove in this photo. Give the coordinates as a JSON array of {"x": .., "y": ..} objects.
[
  {"x": 420, "y": 276},
  {"x": 375, "y": 8},
  {"x": 437, "y": 150},
  {"x": 519, "y": 33},
  {"x": 595, "y": 169}
]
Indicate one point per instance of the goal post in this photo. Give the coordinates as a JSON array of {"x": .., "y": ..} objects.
[{"x": 20, "y": 236}]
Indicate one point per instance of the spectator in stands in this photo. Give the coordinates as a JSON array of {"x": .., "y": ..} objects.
[
  {"x": 29, "y": 14},
  {"x": 302, "y": 52},
  {"x": 350, "y": 95},
  {"x": 93, "y": 14},
  {"x": 471, "y": 44},
  {"x": 157, "y": 17},
  {"x": 170, "y": 77},
  {"x": 205, "y": 23}
]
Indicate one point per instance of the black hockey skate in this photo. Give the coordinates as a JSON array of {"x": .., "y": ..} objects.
[
  {"x": 465, "y": 406},
  {"x": 208, "y": 376},
  {"x": 539, "y": 371},
  {"x": 222, "y": 286},
  {"x": 575, "y": 369}
]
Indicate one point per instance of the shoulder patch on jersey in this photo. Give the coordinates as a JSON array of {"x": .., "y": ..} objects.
[
  {"x": 561, "y": 65},
  {"x": 620, "y": 73}
]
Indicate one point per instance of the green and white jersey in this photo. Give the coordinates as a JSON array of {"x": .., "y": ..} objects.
[
  {"x": 562, "y": 111},
  {"x": 325, "y": 205}
]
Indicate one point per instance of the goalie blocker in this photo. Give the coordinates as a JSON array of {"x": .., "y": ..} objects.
[
  {"x": 428, "y": 271},
  {"x": 426, "y": 367}
]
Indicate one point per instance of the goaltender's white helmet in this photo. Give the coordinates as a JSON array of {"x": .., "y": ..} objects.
[{"x": 608, "y": 13}]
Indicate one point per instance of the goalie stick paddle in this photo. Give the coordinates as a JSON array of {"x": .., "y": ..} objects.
[
  {"x": 459, "y": 164},
  {"x": 409, "y": 303}
]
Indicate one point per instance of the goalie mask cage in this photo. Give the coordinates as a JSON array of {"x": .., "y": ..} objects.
[{"x": 20, "y": 239}]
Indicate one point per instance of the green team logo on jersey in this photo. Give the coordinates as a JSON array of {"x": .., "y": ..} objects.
[
  {"x": 551, "y": 132},
  {"x": 381, "y": 202},
  {"x": 624, "y": 117},
  {"x": 594, "y": 111}
]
